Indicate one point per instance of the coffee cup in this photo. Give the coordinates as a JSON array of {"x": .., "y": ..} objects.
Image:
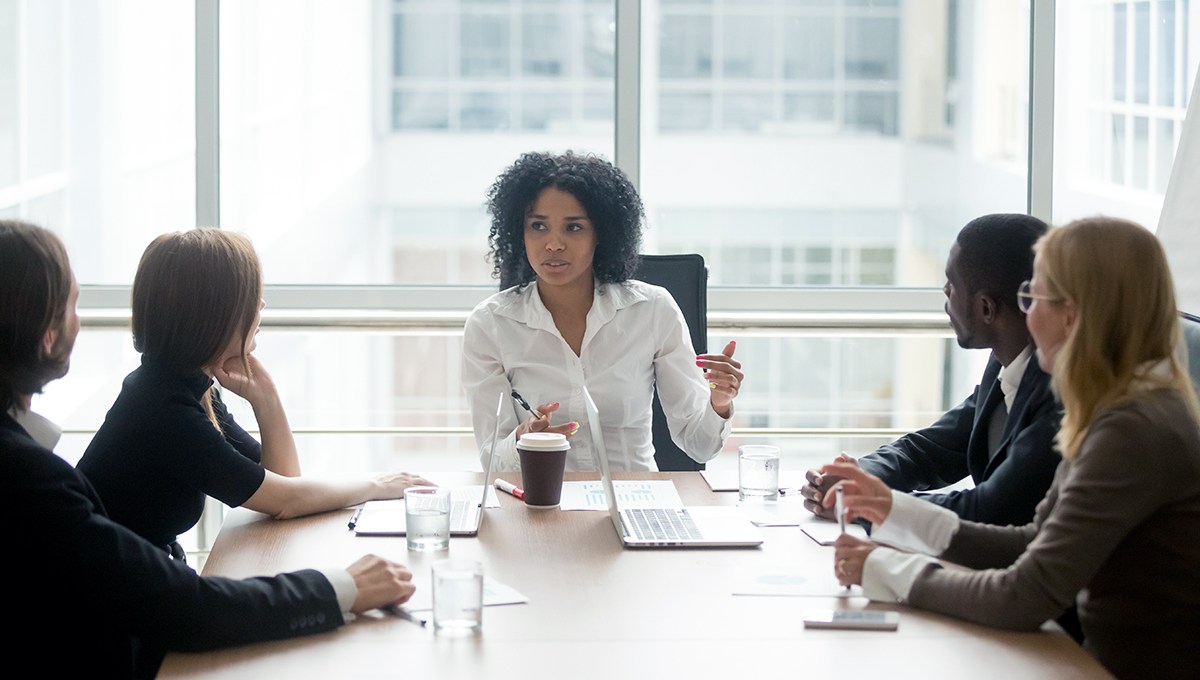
[{"x": 543, "y": 459}]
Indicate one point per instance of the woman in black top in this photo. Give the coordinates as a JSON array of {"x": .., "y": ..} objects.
[{"x": 168, "y": 441}]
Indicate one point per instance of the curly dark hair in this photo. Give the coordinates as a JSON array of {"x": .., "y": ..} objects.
[{"x": 601, "y": 188}]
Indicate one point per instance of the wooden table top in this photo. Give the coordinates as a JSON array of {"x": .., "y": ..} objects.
[{"x": 597, "y": 610}]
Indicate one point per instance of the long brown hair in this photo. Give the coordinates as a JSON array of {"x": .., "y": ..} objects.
[
  {"x": 193, "y": 293},
  {"x": 1115, "y": 272},
  {"x": 35, "y": 284}
]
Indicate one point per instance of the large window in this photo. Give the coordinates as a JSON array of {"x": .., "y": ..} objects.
[
  {"x": 820, "y": 154},
  {"x": 1119, "y": 125}
]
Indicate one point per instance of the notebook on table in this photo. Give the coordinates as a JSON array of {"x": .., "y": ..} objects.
[
  {"x": 686, "y": 527},
  {"x": 386, "y": 518}
]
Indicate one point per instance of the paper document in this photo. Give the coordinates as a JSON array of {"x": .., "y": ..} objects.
[
  {"x": 826, "y": 532},
  {"x": 727, "y": 480},
  {"x": 494, "y": 594},
  {"x": 786, "y": 512},
  {"x": 589, "y": 495},
  {"x": 385, "y": 518},
  {"x": 795, "y": 581}
]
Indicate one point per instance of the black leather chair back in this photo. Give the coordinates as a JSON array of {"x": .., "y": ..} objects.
[
  {"x": 1190, "y": 325},
  {"x": 686, "y": 277}
]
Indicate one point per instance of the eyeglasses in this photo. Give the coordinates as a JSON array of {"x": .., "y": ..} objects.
[{"x": 1025, "y": 298}]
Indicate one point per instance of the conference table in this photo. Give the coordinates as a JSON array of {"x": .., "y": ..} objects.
[{"x": 594, "y": 609}]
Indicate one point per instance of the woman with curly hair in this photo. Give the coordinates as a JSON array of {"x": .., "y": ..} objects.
[
  {"x": 1117, "y": 531},
  {"x": 566, "y": 230}
]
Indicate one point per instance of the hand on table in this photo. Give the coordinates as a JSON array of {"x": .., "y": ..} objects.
[
  {"x": 393, "y": 484},
  {"x": 379, "y": 583},
  {"x": 865, "y": 496},
  {"x": 818, "y": 485}
]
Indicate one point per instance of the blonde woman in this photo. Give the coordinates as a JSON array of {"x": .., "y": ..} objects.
[
  {"x": 168, "y": 441},
  {"x": 1119, "y": 530}
]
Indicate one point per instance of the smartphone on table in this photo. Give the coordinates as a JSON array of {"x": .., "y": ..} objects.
[{"x": 852, "y": 619}]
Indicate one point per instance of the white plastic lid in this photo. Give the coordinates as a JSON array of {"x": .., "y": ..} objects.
[{"x": 543, "y": 441}]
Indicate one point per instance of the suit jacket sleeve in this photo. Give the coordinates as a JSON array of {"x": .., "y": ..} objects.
[
  {"x": 933, "y": 457},
  {"x": 1011, "y": 491},
  {"x": 123, "y": 585},
  {"x": 938, "y": 456}
]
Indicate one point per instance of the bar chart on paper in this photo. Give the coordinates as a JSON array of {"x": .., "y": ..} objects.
[{"x": 589, "y": 495}]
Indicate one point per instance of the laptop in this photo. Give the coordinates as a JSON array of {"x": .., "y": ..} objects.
[
  {"x": 386, "y": 518},
  {"x": 686, "y": 527}
]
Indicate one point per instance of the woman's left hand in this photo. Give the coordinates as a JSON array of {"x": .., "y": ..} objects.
[
  {"x": 849, "y": 557},
  {"x": 724, "y": 377},
  {"x": 253, "y": 386}
]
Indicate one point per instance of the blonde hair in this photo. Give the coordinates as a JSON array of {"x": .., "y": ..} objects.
[{"x": 1116, "y": 275}]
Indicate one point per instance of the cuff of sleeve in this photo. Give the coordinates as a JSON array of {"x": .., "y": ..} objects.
[
  {"x": 914, "y": 524},
  {"x": 888, "y": 575},
  {"x": 343, "y": 587},
  {"x": 507, "y": 459}
]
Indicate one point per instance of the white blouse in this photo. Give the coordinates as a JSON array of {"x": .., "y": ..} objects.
[{"x": 635, "y": 336}]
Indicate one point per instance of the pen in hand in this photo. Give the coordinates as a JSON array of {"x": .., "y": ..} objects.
[
  {"x": 525, "y": 405},
  {"x": 840, "y": 509}
]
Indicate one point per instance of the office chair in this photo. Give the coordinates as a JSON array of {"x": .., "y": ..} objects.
[
  {"x": 1190, "y": 325},
  {"x": 686, "y": 277}
]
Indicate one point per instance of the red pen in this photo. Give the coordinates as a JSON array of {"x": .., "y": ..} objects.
[{"x": 511, "y": 489}]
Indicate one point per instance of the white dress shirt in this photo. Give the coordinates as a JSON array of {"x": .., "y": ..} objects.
[
  {"x": 1010, "y": 376},
  {"x": 635, "y": 336},
  {"x": 912, "y": 524}
]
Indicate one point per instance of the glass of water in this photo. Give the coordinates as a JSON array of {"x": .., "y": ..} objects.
[
  {"x": 758, "y": 473},
  {"x": 427, "y": 517},
  {"x": 457, "y": 596}
]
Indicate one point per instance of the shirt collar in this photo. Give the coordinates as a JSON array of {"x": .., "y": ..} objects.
[
  {"x": 44, "y": 432},
  {"x": 1010, "y": 375},
  {"x": 525, "y": 305}
]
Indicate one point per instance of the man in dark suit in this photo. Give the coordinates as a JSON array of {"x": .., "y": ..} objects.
[
  {"x": 1002, "y": 436},
  {"x": 88, "y": 597}
]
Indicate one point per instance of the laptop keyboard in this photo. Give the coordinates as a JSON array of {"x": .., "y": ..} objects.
[
  {"x": 458, "y": 511},
  {"x": 662, "y": 524}
]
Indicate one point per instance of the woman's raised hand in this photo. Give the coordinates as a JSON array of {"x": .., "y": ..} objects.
[
  {"x": 541, "y": 423},
  {"x": 724, "y": 376}
]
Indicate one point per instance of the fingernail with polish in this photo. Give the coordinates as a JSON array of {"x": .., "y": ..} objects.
[
  {"x": 700, "y": 363},
  {"x": 712, "y": 386},
  {"x": 574, "y": 427}
]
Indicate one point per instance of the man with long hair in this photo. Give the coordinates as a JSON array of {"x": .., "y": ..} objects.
[{"x": 92, "y": 598}]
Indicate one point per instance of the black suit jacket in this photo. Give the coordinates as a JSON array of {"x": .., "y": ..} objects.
[
  {"x": 1008, "y": 483},
  {"x": 92, "y": 599}
]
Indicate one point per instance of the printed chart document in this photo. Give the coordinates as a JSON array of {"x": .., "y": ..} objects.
[
  {"x": 794, "y": 581},
  {"x": 651, "y": 493}
]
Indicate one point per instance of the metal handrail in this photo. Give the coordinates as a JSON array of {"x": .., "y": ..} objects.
[{"x": 463, "y": 431}]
